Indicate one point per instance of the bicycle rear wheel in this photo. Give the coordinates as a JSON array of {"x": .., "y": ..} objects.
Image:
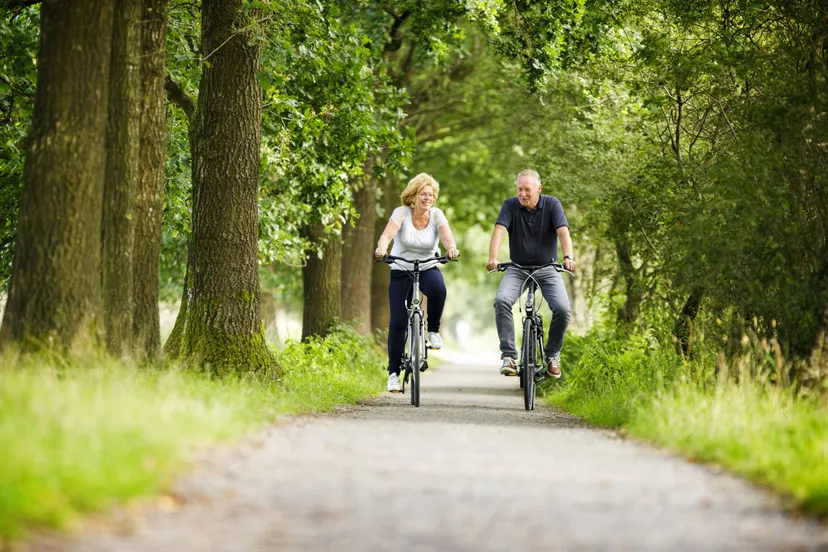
[
  {"x": 415, "y": 336},
  {"x": 527, "y": 375}
]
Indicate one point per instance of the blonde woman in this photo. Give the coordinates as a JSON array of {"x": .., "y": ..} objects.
[{"x": 416, "y": 228}]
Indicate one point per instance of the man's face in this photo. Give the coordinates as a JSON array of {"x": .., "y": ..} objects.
[{"x": 528, "y": 191}]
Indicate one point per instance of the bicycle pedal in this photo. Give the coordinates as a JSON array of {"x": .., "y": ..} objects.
[{"x": 424, "y": 367}]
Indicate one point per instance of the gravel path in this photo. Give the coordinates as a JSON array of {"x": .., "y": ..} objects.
[{"x": 469, "y": 470}]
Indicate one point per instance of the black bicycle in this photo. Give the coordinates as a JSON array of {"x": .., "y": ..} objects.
[
  {"x": 415, "y": 355},
  {"x": 532, "y": 364}
]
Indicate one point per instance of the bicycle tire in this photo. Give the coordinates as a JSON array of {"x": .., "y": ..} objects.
[
  {"x": 416, "y": 357},
  {"x": 524, "y": 353},
  {"x": 529, "y": 366}
]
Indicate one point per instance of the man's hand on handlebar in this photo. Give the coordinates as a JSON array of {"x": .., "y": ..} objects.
[{"x": 491, "y": 265}]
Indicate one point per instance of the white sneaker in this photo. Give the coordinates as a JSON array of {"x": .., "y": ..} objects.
[
  {"x": 435, "y": 340},
  {"x": 393, "y": 383}
]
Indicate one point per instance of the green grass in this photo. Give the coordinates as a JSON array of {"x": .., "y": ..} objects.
[
  {"x": 757, "y": 429},
  {"x": 765, "y": 434},
  {"x": 85, "y": 434}
]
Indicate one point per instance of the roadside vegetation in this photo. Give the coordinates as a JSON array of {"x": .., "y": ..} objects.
[
  {"x": 86, "y": 433},
  {"x": 740, "y": 413}
]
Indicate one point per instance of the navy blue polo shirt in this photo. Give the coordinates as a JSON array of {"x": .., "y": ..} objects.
[{"x": 533, "y": 239}]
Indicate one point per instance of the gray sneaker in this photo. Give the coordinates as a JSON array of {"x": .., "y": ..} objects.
[
  {"x": 508, "y": 368},
  {"x": 553, "y": 368}
]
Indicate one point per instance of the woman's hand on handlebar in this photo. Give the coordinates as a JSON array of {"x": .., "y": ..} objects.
[
  {"x": 380, "y": 253},
  {"x": 453, "y": 253}
]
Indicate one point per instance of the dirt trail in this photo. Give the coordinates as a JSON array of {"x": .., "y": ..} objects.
[{"x": 470, "y": 471}]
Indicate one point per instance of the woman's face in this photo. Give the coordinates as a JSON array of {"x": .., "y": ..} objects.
[{"x": 425, "y": 198}]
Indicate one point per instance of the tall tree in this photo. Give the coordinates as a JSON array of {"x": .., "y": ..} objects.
[
  {"x": 357, "y": 244},
  {"x": 55, "y": 288},
  {"x": 149, "y": 198},
  {"x": 321, "y": 281},
  {"x": 223, "y": 327},
  {"x": 122, "y": 165}
]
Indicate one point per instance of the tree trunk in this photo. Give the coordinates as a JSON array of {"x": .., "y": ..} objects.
[
  {"x": 55, "y": 287},
  {"x": 321, "y": 284},
  {"x": 357, "y": 247},
  {"x": 628, "y": 314},
  {"x": 380, "y": 277},
  {"x": 123, "y": 134},
  {"x": 223, "y": 327},
  {"x": 681, "y": 331},
  {"x": 149, "y": 202}
]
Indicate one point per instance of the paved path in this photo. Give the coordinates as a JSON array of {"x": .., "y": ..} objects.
[{"x": 469, "y": 471}]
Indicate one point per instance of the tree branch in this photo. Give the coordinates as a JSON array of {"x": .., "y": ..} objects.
[
  {"x": 395, "y": 42},
  {"x": 180, "y": 98}
]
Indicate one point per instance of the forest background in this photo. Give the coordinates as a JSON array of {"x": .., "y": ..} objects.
[{"x": 226, "y": 167}]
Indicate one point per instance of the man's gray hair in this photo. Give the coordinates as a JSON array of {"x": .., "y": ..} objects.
[{"x": 530, "y": 173}]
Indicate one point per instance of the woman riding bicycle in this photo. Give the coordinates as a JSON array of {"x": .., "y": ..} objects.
[{"x": 416, "y": 228}]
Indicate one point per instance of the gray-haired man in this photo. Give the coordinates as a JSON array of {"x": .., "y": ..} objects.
[{"x": 534, "y": 223}]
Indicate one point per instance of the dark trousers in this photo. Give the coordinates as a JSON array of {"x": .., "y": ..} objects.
[{"x": 399, "y": 291}]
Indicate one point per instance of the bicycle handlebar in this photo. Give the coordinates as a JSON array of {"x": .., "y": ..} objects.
[
  {"x": 388, "y": 259},
  {"x": 501, "y": 267}
]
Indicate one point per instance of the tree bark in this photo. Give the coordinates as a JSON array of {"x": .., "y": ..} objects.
[
  {"x": 223, "y": 328},
  {"x": 681, "y": 331},
  {"x": 381, "y": 277},
  {"x": 357, "y": 246},
  {"x": 321, "y": 284},
  {"x": 120, "y": 187},
  {"x": 628, "y": 314},
  {"x": 55, "y": 287},
  {"x": 149, "y": 202}
]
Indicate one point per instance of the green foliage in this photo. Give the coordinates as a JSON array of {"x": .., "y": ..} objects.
[
  {"x": 85, "y": 433},
  {"x": 340, "y": 368},
  {"x": 606, "y": 378},
  {"x": 18, "y": 74}
]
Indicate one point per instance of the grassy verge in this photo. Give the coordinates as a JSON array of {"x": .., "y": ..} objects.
[
  {"x": 84, "y": 434},
  {"x": 761, "y": 431}
]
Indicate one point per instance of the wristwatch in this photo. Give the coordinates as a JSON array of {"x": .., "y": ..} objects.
[{"x": 568, "y": 257}]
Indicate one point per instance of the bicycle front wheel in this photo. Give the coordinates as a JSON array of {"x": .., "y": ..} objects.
[
  {"x": 527, "y": 374},
  {"x": 416, "y": 356}
]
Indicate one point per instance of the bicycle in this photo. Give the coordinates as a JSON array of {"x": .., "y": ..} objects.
[
  {"x": 532, "y": 364},
  {"x": 415, "y": 355}
]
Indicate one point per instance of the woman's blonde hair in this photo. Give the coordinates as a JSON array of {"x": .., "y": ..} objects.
[{"x": 416, "y": 185}]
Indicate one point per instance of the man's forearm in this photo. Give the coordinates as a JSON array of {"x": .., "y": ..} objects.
[
  {"x": 494, "y": 243},
  {"x": 566, "y": 243}
]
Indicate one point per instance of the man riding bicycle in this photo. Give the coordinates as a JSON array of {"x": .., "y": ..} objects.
[{"x": 534, "y": 223}]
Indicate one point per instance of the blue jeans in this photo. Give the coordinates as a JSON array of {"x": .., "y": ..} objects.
[
  {"x": 399, "y": 291},
  {"x": 553, "y": 290}
]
